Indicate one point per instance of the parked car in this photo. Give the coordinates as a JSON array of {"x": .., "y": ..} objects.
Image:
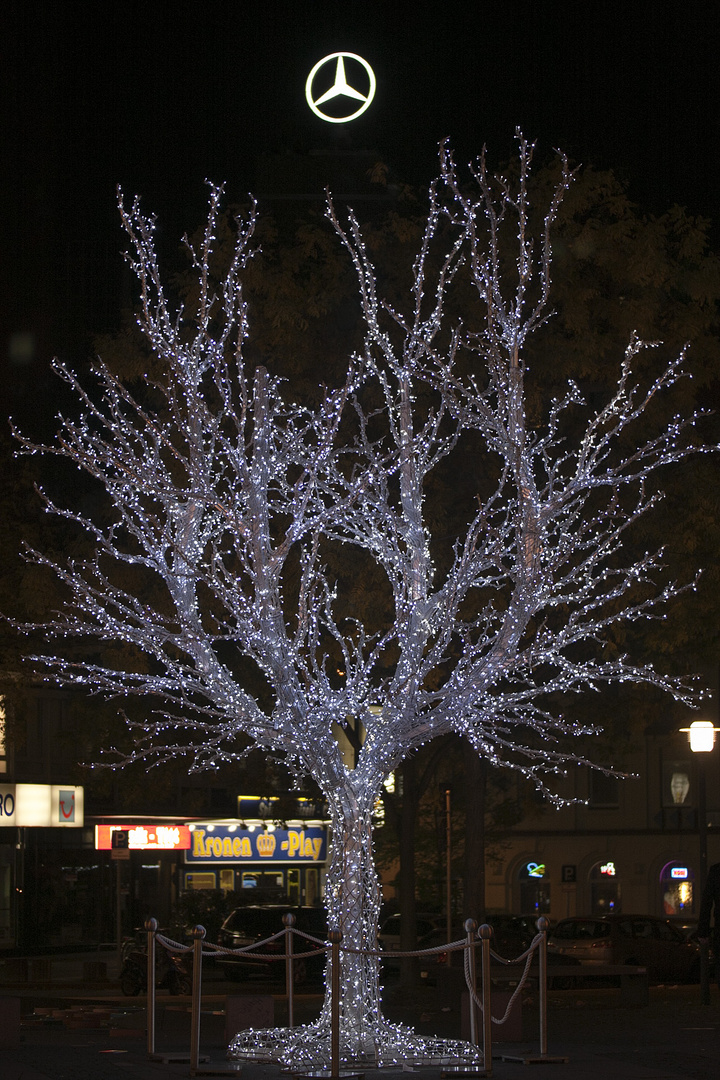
[
  {"x": 429, "y": 964},
  {"x": 512, "y": 934},
  {"x": 250, "y": 924},
  {"x": 643, "y": 940},
  {"x": 430, "y": 930},
  {"x": 687, "y": 925}
]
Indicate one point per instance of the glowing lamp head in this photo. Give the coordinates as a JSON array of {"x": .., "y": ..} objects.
[{"x": 702, "y": 736}]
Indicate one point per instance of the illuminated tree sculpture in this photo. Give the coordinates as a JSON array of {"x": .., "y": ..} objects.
[{"x": 230, "y": 501}]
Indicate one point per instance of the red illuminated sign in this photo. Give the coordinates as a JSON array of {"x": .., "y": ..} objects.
[{"x": 145, "y": 837}]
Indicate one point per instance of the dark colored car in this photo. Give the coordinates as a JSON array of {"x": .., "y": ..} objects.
[
  {"x": 643, "y": 940},
  {"x": 512, "y": 934},
  {"x": 434, "y": 940},
  {"x": 389, "y": 933},
  {"x": 247, "y": 925}
]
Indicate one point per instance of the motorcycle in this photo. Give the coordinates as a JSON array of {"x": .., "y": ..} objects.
[{"x": 173, "y": 972}]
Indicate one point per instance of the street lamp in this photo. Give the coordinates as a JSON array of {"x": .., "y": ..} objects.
[
  {"x": 701, "y": 735},
  {"x": 448, "y": 868}
]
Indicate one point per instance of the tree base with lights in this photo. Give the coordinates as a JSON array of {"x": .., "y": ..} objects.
[{"x": 380, "y": 1045}]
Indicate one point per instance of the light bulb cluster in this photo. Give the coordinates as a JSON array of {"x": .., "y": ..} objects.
[{"x": 226, "y": 497}]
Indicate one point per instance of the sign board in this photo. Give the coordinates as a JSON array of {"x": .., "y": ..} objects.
[
  {"x": 42, "y": 806},
  {"x": 340, "y": 87},
  {"x": 274, "y": 808},
  {"x": 142, "y": 837},
  {"x": 231, "y": 844}
]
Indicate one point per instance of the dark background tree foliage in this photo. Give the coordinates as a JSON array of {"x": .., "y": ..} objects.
[{"x": 616, "y": 271}]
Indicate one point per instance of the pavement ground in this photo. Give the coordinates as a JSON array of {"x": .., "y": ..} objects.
[{"x": 75, "y": 1031}]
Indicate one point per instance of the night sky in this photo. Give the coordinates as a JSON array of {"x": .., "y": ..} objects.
[{"x": 157, "y": 96}]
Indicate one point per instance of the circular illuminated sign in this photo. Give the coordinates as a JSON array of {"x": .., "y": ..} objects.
[{"x": 346, "y": 100}]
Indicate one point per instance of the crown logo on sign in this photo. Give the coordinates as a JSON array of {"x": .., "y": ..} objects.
[{"x": 266, "y": 844}]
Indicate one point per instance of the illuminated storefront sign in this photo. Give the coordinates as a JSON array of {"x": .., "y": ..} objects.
[
  {"x": 536, "y": 870},
  {"x": 351, "y": 92},
  {"x": 608, "y": 869},
  {"x": 680, "y": 872},
  {"x": 42, "y": 805},
  {"x": 274, "y": 808},
  {"x": 230, "y": 843},
  {"x": 145, "y": 837}
]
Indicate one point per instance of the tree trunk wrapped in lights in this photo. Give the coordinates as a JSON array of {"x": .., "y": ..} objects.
[{"x": 228, "y": 498}]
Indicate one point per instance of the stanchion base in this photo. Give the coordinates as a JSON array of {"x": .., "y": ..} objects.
[
  {"x": 327, "y": 1074},
  {"x": 179, "y": 1057},
  {"x": 451, "y": 1072},
  {"x": 535, "y": 1059},
  {"x": 220, "y": 1068}
]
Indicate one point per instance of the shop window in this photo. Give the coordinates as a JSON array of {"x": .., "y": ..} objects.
[
  {"x": 677, "y": 889},
  {"x": 293, "y": 886},
  {"x": 259, "y": 879},
  {"x": 312, "y": 887},
  {"x": 6, "y": 912},
  {"x": 227, "y": 880},
  {"x": 678, "y": 794},
  {"x": 534, "y": 889},
  {"x": 605, "y": 891},
  {"x": 204, "y": 880},
  {"x": 677, "y": 787}
]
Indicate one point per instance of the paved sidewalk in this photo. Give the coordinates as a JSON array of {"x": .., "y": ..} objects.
[{"x": 68, "y": 1034}]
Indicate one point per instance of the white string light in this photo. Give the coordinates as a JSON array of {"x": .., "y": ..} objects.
[{"x": 224, "y": 491}]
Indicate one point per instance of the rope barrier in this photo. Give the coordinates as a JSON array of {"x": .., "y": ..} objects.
[
  {"x": 204, "y": 949},
  {"x": 527, "y": 956}
]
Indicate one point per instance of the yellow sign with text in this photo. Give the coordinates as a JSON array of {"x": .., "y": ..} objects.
[{"x": 223, "y": 843}]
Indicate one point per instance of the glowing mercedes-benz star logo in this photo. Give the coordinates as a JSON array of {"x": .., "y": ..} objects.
[{"x": 340, "y": 88}]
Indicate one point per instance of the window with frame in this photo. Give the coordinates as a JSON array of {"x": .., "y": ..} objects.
[{"x": 604, "y": 791}]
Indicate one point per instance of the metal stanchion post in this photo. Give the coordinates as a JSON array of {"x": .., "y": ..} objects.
[
  {"x": 543, "y": 1058},
  {"x": 289, "y": 922},
  {"x": 542, "y": 925},
  {"x": 485, "y": 933},
  {"x": 198, "y": 935},
  {"x": 335, "y": 937},
  {"x": 224, "y": 1068},
  {"x": 151, "y": 927},
  {"x": 704, "y": 973},
  {"x": 470, "y": 930},
  {"x": 448, "y": 872}
]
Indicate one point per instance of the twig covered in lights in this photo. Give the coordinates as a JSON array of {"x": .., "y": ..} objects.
[{"x": 225, "y": 491}]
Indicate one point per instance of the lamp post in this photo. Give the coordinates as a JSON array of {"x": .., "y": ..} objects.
[
  {"x": 701, "y": 735},
  {"x": 448, "y": 870}
]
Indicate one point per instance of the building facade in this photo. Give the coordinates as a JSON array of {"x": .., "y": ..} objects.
[{"x": 640, "y": 844}]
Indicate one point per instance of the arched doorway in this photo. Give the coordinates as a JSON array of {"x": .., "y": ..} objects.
[
  {"x": 677, "y": 881},
  {"x": 605, "y": 891},
  {"x": 534, "y": 889}
]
